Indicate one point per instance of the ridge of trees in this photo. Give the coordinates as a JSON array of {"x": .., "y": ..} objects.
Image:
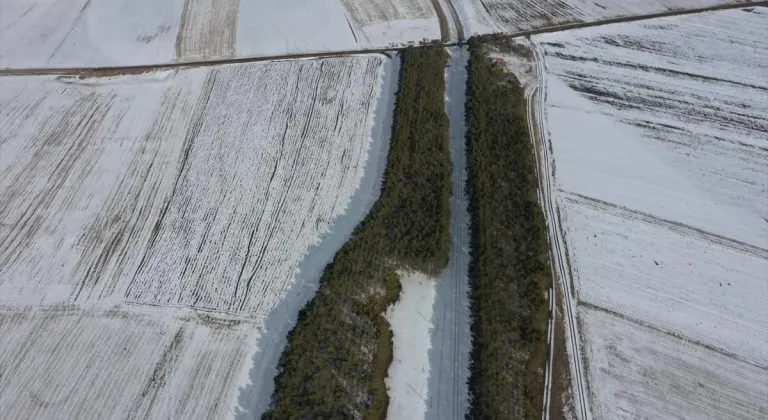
[
  {"x": 339, "y": 351},
  {"x": 509, "y": 269}
]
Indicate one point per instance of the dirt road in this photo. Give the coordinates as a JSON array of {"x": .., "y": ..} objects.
[{"x": 535, "y": 98}]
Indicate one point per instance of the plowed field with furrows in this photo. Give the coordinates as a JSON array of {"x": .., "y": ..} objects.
[
  {"x": 521, "y": 15},
  {"x": 200, "y": 189},
  {"x": 70, "y": 363},
  {"x": 150, "y": 223},
  {"x": 238, "y": 242},
  {"x": 208, "y": 29},
  {"x": 368, "y": 12}
]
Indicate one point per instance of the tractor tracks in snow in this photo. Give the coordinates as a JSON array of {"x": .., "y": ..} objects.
[{"x": 535, "y": 97}]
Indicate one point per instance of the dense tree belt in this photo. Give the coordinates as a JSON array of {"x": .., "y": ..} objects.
[
  {"x": 338, "y": 354},
  {"x": 509, "y": 270}
]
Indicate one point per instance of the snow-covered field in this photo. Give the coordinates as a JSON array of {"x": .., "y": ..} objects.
[
  {"x": 167, "y": 214},
  {"x": 41, "y": 33},
  {"x": 636, "y": 372},
  {"x": 681, "y": 280},
  {"x": 99, "y": 33},
  {"x": 69, "y": 363},
  {"x": 660, "y": 163},
  {"x": 208, "y": 28},
  {"x": 488, "y": 16},
  {"x": 384, "y": 22},
  {"x": 410, "y": 320}
]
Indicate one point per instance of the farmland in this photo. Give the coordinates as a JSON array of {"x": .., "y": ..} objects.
[
  {"x": 490, "y": 16},
  {"x": 723, "y": 308},
  {"x": 637, "y": 372},
  {"x": 384, "y": 22},
  {"x": 655, "y": 153},
  {"x": 165, "y": 215},
  {"x": 208, "y": 28},
  {"x": 98, "y": 33},
  {"x": 81, "y": 32},
  {"x": 65, "y": 362},
  {"x": 250, "y": 208}
]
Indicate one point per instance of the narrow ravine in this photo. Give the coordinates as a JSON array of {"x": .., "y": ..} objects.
[{"x": 451, "y": 341}]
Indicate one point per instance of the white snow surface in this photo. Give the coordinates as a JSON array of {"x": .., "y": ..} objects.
[
  {"x": 398, "y": 32},
  {"x": 709, "y": 290},
  {"x": 657, "y": 129},
  {"x": 114, "y": 33},
  {"x": 638, "y": 373},
  {"x": 66, "y": 362},
  {"x": 291, "y": 26},
  {"x": 679, "y": 105},
  {"x": 490, "y": 16},
  {"x": 410, "y": 320},
  {"x": 172, "y": 204},
  {"x": 42, "y": 33}
]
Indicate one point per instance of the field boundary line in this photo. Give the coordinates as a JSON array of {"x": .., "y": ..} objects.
[
  {"x": 677, "y": 227},
  {"x": 658, "y": 329}
]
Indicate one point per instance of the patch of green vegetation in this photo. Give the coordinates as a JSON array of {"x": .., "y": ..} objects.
[
  {"x": 338, "y": 354},
  {"x": 509, "y": 270}
]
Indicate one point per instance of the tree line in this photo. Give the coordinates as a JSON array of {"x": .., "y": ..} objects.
[
  {"x": 338, "y": 354},
  {"x": 509, "y": 269}
]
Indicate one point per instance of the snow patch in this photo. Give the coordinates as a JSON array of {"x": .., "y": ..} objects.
[{"x": 409, "y": 319}]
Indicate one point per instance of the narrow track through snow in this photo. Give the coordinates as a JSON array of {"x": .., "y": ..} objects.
[
  {"x": 535, "y": 99},
  {"x": 456, "y": 21}
]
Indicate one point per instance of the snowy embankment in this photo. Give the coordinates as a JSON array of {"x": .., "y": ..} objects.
[
  {"x": 409, "y": 372},
  {"x": 114, "y": 33},
  {"x": 154, "y": 225},
  {"x": 660, "y": 166}
]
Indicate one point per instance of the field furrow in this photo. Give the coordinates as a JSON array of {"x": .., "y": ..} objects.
[
  {"x": 86, "y": 167},
  {"x": 138, "y": 362},
  {"x": 674, "y": 279}
]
